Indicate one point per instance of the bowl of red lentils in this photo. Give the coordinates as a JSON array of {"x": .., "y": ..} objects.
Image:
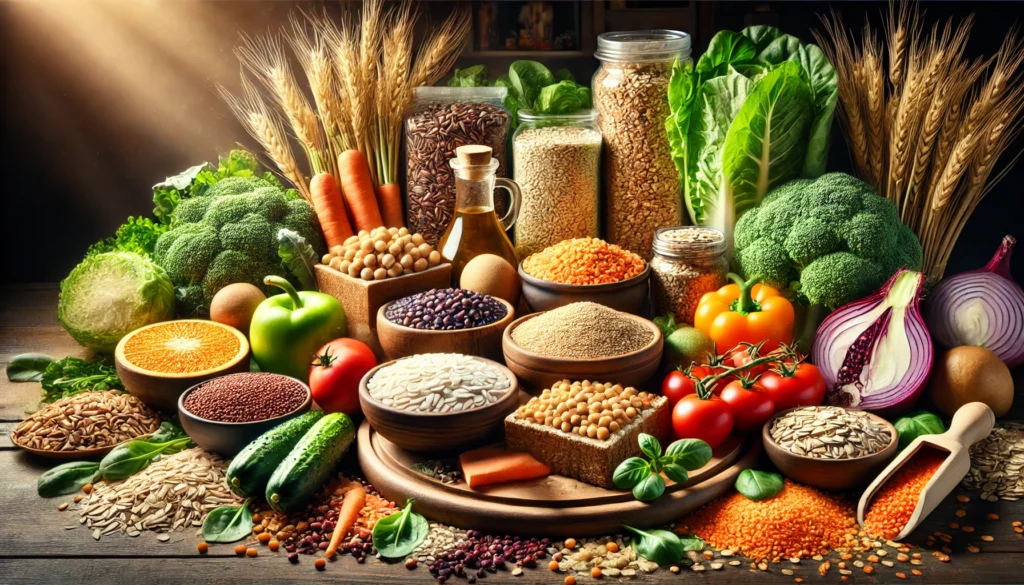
[
  {"x": 226, "y": 413},
  {"x": 585, "y": 270}
]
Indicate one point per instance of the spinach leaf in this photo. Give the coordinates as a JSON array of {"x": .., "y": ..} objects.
[
  {"x": 650, "y": 446},
  {"x": 692, "y": 542},
  {"x": 824, "y": 84},
  {"x": 691, "y": 454},
  {"x": 564, "y": 75},
  {"x": 767, "y": 141},
  {"x": 168, "y": 431},
  {"x": 298, "y": 257},
  {"x": 650, "y": 488},
  {"x": 399, "y": 534},
  {"x": 475, "y": 76},
  {"x": 630, "y": 472},
  {"x": 917, "y": 424},
  {"x": 659, "y": 546},
  {"x": 28, "y": 367},
  {"x": 528, "y": 77},
  {"x": 132, "y": 457},
  {"x": 761, "y": 35},
  {"x": 228, "y": 523},
  {"x": 758, "y": 485},
  {"x": 585, "y": 96},
  {"x": 66, "y": 479},
  {"x": 726, "y": 48}
]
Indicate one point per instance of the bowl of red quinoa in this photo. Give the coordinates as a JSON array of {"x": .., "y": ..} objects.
[{"x": 226, "y": 413}]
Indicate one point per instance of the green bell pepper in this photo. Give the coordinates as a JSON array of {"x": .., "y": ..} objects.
[{"x": 287, "y": 329}]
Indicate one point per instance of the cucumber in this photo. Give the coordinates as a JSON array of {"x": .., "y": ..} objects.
[
  {"x": 309, "y": 464},
  {"x": 253, "y": 466}
]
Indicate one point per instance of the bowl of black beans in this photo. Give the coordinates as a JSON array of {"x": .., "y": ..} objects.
[
  {"x": 226, "y": 413},
  {"x": 446, "y": 320}
]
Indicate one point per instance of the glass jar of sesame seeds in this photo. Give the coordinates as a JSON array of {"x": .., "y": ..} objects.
[{"x": 688, "y": 261}]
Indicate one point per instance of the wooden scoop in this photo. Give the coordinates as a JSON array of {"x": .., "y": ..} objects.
[{"x": 971, "y": 423}]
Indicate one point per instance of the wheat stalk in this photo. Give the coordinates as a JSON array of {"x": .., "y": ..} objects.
[
  {"x": 839, "y": 51},
  {"x": 394, "y": 92},
  {"x": 265, "y": 58},
  {"x": 874, "y": 82},
  {"x": 311, "y": 50},
  {"x": 438, "y": 53},
  {"x": 266, "y": 127}
]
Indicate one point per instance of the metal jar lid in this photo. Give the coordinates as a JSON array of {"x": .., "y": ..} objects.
[{"x": 643, "y": 45}]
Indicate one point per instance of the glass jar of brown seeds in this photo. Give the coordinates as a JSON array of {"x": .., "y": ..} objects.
[
  {"x": 687, "y": 262},
  {"x": 630, "y": 88}
]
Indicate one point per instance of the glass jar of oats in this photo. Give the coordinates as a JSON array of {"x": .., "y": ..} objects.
[
  {"x": 688, "y": 262},
  {"x": 642, "y": 188},
  {"x": 556, "y": 161}
]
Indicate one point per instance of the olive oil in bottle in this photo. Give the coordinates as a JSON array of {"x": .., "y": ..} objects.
[{"x": 476, "y": 229}]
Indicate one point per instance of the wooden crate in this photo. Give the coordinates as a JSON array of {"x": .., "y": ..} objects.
[{"x": 363, "y": 298}]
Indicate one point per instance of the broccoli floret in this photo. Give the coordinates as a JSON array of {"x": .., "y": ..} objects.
[
  {"x": 231, "y": 236},
  {"x": 831, "y": 240}
]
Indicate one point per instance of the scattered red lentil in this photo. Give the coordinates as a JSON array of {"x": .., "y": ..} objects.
[
  {"x": 869, "y": 569},
  {"x": 570, "y": 580},
  {"x": 797, "y": 522},
  {"x": 612, "y": 547},
  {"x": 570, "y": 543},
  {"x": 596, "y": 572},
  {"x": 973, "y": 549},
  {"x": 963, "y": 499},
  {"x": 895, "y": 501},
  {"x": 584, "y": 261},
  {"x": 240, "y": 550},
  {"x": 553, "y": 565},
  {"x": 993, "y": 517},
  {"x": 252, "y": 552},
  {"x": 320, "y": 564},
  {"x": 901, "y": 575},
  {"x": 917, "y": 572},
  {"x": 274, "y": 545},
  {"x": 203, "y": 548},
  {"x": 264, "y": 537},
  {"x": 988, "y": 538},
  {"x": 961, "y": 513},
  {"x": 953, "y": 525},
  {"x": 968, "y": 529}
]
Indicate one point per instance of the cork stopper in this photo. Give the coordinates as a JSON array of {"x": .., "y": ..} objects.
[{"x": 474, "y": 155}]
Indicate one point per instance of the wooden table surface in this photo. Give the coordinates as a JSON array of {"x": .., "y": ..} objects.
[{"x": 39, "y": 544}]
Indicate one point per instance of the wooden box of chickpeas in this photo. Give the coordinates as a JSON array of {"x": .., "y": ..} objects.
[{"x": 373, "y": 268}]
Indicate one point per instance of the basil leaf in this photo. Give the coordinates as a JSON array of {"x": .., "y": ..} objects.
[
  {"x": 66, "y": 479},
  {"x": 228, "y": 523},
  {"x": 659, "y": 546},
  {"x": 676, "y": 472},
  {"x": 650, "y": 488},
  {"x": 399, "y": 534},
  {"x": 650, "y": 446},
  {"x": 691, "y": 542},
  {"x": 916, "y": 424},
  {"x": 691, "y": 454},
  {"x": 630, "y": 472},
  {"x": 28, "y": 367},
  {"x": 758, "y": 485}
]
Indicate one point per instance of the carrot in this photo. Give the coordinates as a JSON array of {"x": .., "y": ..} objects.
[
  {"x": 354, "y": 501},
  {"x": 390, "y": 199},
  {"x": 357, "y": 188},
  {"x": 491, "y": 465},
  {"x": 330, "y": 209}
]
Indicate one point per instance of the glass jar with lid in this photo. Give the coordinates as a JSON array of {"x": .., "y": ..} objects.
[
  {"x": 556, "y": 162},
  {"x": 688, "y": 262},
  {"x": 630, "y": 88}
]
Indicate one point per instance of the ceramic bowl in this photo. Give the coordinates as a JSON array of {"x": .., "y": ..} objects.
[
  {"x": 228, "y": 438},
  {"x": 429, "y": 432},
  {"x": 399, "y": 341},
  {"x": 539, "y": 371},
  {"x": 829, "y": 474},
  {"x": 626, "y": 296}
]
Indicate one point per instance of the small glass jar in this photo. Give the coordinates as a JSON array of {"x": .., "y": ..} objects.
[
  {"x": 440, "y": 120},
  {"x": 630, "y": 88},
  {"x": 688, "y": 262},
  {"x": 556, "y": 161}
]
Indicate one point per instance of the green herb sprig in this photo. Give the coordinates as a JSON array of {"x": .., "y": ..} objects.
[
  {"x": 399, "y": 534},
  {"x": 644, "y": 476},
  {"x": 228, "y": 523},
  {"x": 662, "y": 546}
]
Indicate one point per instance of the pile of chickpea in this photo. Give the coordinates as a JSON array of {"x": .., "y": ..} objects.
[
  {"x": 382, "y": 253},
  {"x": 588, "y": 409}
]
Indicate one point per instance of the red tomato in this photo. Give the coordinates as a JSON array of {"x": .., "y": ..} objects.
[
  {"x": 701, "y": 372},
  {"x": 708, "y": 420},
  {"x": 751, "y": 407},
  {"x": 740, "y": 356},
  {"x": 806, "y": 387},
  {"x": 676, "y": 385},
  {"x": 338, "y": 368}
]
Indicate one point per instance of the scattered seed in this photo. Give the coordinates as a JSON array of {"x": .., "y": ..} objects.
[
  {"x": 973, "y": 549},
  {"x": 987, "y": 538},
  {"x": 963, "y": 499},
  {"x": 63, "y": 506},
  {"x": 320, "y": 564}
]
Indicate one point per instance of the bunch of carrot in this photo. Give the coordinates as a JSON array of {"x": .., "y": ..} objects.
[{"x": 356, "y": 206}]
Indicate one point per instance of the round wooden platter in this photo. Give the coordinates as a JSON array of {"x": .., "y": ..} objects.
[{"x": 553, "y": 506}]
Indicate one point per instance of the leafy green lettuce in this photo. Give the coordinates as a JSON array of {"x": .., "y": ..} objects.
[{"x": 756, "y": 110}]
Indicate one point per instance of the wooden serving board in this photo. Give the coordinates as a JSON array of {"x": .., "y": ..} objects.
[{"x": 554, "y": 506}]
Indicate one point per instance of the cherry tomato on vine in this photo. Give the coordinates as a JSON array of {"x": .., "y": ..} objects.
[
  {"x": 676, "y": 385},
  {"x": 709, "y": 420},
  {"x": 751, "y": 407},
  {"x": 740, "y": 356},
  {"x": 803, "y": 386},
  {"x": 701, "y": 372}
]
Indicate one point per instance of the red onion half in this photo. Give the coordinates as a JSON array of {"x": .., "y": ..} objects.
[
  {"x": 875, "y": 353},
  {"x": 983, "y": 307}
]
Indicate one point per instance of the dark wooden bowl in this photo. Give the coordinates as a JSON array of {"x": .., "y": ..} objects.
[
  {"x": 161, "y": 389},
  {"x": 399, "y": 341},
  {"x": 228, "y": 438},
  {"x": 430, "y": 432},
  {"x": 829, "y": 474},
  {"x": 539, "y": 371},
  {"x": 626, "y": 296}
]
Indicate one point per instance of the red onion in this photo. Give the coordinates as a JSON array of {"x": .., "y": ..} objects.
[
  {"x": 982, "y": 307},
  {"x": 875, "y": 353}
]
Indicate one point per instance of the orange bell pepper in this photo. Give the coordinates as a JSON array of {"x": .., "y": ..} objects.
[{"x": 745, "y": 312}]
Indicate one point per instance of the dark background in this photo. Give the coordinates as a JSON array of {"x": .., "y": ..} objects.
[{"x": 103, "y": 98}]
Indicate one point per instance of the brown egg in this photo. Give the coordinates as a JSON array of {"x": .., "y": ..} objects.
[{"x": 491, "y": 275}]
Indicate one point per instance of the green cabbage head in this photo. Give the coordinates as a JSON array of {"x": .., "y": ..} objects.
[{"x": 110, "y": 295}]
